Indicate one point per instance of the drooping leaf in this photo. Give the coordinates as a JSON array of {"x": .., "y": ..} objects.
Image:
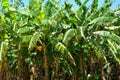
[
  {"x": 98, "y": 49},
  {"x": 33, "y": 40},
  {"x": 100, "y": 20},
  {"x": 112, "y": 27},
  {"x": 112, "y": 46},
  {"x": 108, "y": 35},
  {"x": 113, "y": 51},
  {"x": 3, "y": 50},
  {"x": 81, "y": 31},
  {"x": 102, "y": 33},
  {"x": 25, "y": 12},
  {"x": 69, "y": 35},
  {"x": 66, "y": 66},
  {"x": 26, "y": 38},
  {"x": 25, "y": 30},
  {"x": 115, "y": 20},
  {"x": 61, "y": 48}
]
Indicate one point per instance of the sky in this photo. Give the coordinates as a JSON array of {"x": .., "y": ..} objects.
[
  {"x": 114, "y": 5},
  {"x": 75, "y": 6}
]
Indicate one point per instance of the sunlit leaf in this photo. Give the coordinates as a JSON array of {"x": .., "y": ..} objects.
[
  {"x": 34, "y": 40},
  {"x": 100, "y": 20},
  {"x": 3, "y": 19},
  {"x": 112, "y": 27},
  {"x": 25, "y": 12},
  {"x": 26, "y": 39},
  {"x": 69, "y": 35},
  {"x": 5, "y": 4},
  {"x": 108, "y": 35},
  {"x": 113, "y": 51},
  {"x": 6, "y": 36},
  {"x": 4, "y": 48},
  {"x": 25, "y": 30},
  {"x": 12, "y": 9},
  {"x": 41, "y": 15},
  {"x": 61, "y": 48}
]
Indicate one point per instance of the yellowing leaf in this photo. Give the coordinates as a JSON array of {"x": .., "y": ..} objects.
[
  {"x": 5, "y": 4},
  {"x": 3, "y": 19},
  {"x": 36, "y": 4},
  {"x": 41, "y": 15},
  {"x": 6, "y": 36},
  {"x": 39, "y": 48}
]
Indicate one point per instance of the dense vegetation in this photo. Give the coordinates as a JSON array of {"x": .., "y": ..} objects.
[{"x": 51, "y": 41}]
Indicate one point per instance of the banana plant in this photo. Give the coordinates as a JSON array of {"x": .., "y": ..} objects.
[{"x": 51, "y": 41}]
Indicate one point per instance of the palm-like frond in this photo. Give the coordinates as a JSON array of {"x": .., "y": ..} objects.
[
  {"x": 100, "y": 20},
  {"x": 25, "y": 30},
  {"x": 113, "y": 50},
  {"x": 68, "y": 36},
  {"x": 62, "y": 49},
  {"x": 108, "y": 35},
  {"x": 112, "y": 39},
  {"x": 81, "y": 32},
  {"x": 113, "y": 28},
  {"x": 33, "y": 40}
]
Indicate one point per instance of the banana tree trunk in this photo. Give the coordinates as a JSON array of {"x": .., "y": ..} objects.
[
  {"x": 1, "y": 70},
  {"x": 56, "y": 77},
  {"x": 74, "y": 75},
  {"x": 45, "y": 62},
  {"x": 19, "y": 62},
  {"x": 4, "y": 73},
  {"x": 101, "y": 71},
  {"x": 90, "y": 63},
  {"x": 100, "y": 68},
  {"x": 80, "y": 67},
  {"x": 5, "y": 66}
]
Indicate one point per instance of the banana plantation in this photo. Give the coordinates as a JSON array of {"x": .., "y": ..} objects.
[{"x": 49, "y": 40}]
